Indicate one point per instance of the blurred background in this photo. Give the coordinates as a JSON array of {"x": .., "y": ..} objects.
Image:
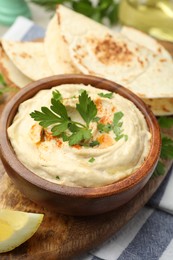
[{"x": 151, "y": 16}]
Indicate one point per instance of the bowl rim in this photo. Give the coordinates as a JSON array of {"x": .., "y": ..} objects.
[{"x": 8, "y": 154}]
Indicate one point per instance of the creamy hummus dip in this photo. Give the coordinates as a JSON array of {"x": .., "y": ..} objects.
[{"x": 108, "y": 160}]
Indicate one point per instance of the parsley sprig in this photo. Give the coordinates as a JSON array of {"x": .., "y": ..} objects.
[
  {"x": 116, "y": 127},
  {"x": 106, "y": 95},
  {"x": 167, "y": 146},
  {"x": 4, "y": 88},
  {"x": 102, "y": 9},
  {"x": 57, "y": 116},
  {"x": 160, "y": 169},
  {"x": 165, "y": 122},
  {"x": 86, "y": 108}
]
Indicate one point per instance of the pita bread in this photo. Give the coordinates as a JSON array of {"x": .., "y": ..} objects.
[
  {"x": 143, "y": 66},
  {"x": 29, "y": 58},
  {"x": 56, "y": 50},
  {"x": 160, "y": 106},
  {"x": 93, "y": 47},
  {"x": 157, "y": 82},
  {"x": 143, "y": 39},
  {"x": 12, "y": 75}
]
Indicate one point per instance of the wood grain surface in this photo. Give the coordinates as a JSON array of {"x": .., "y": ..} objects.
[{"x": 65, "y": 237}]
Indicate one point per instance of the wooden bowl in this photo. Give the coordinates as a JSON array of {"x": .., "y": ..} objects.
[{"x": 76, "y": 200}]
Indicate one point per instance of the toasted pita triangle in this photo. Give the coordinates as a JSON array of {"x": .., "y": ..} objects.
[
  {"x": 29, "y": 58},
  {"x": 142, "y": 65},
  {"x": 56, "y": 50},
  {"x": 12, "y": 75},
  {"x": 160, "y": 106}
]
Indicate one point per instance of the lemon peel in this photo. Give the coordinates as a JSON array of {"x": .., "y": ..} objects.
[{"x": 16, "y": 227}]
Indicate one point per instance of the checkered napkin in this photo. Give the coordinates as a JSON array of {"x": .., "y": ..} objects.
[{"x": 149, "y": 235}]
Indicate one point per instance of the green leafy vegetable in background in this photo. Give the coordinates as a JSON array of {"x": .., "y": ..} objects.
[
  {"x": 3, "y": 86},
  {"x": 165, "y": 122},
  {"x": 160, "y": 169},
  {"x": 167, "y": 146},
  {"x": 94, "y": 143},
  {"x": 103, "y": 9},
  {"x": 2, "y": 81}
]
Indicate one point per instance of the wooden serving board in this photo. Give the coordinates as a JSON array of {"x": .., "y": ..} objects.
[{"x": 65, "y": 237}]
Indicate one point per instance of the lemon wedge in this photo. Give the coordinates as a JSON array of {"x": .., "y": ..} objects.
[{"x": 16, "y": 227}]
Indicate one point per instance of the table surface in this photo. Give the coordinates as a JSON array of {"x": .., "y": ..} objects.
[{"x": 39, "y": 15}]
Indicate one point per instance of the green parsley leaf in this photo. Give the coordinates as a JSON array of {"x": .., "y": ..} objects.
[
  {"x": 83, "y": 6},
  {"x": 91, "y": 160},
  {"x": 59, "y": 129},
  {"x": 59, "y": 109},
  {"x": 118, "y": 137},
  {"x": 46, "y": 117},
  {"x": 96, "y": 119},
  {"x": 97, "y": 10},
  {"x": 57, "y": 95},
  {"x": 106, "y": 95},
  {"x": 86, "y": 107},
  {"x": 57, "y": 177},
  {"x": 165, "y": 122},
  {"x": 117, "y": 117},
  {"x": 81, "y": 135},
  {"x": 167, "y": 148},
  {"x": 94, "y": 143},
  {"x": 104, "y": 128},
  {"x": 4, "y": 87},
  {"x": 65, "y": 137},
  {"x": 5, "y": 90},
  {"x": 73, "y": 127},
  {"x": 81, "y": 91},
  {"x": 117, "y": 126},
  {"x": 121, "y": 136},
  {"x": 2, "y": 81},
  {"x": 159, "y": 170},
  {"x": 113, "y": 13}
]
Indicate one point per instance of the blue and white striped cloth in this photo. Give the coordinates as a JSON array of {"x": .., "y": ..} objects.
[{"x": 149, "y": 235}]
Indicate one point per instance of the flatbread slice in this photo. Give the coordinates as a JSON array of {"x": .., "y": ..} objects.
[
  {"x": 157, "y": 81},
  {"x": 12, "y": 75},
  {"x": 29, "y": 58},
  {"x": 56, "y": 49},
  {"x": 160, "y": 106},
  {"x": 143, "y": 39},
  {"x": 94, "y": 49}
]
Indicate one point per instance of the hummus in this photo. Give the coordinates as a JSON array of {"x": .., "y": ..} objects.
[{"x": 109, "y": 160}]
